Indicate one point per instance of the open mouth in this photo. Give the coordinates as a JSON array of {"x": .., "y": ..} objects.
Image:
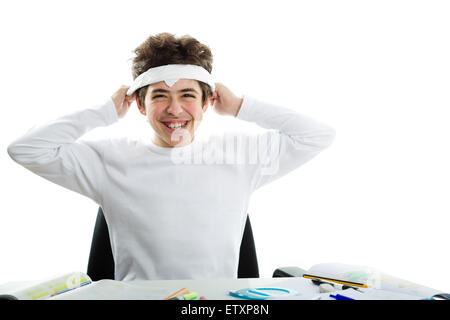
[{"x": 174, "y": 125}]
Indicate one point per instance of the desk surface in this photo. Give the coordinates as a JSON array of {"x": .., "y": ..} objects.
[
  {"x": 159, "y": 289},
  {"x": 219, "y": 290}
]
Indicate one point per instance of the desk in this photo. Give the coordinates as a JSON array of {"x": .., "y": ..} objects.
[
  {"x": 217, "y": 289},
  {"x": 159, "y": 289},
  {"x": 380, "y": 286}
]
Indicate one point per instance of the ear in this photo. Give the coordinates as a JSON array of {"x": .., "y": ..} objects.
[
  {"x": 205, "y": 106},
  {"x": 140, "y": 107},
  {"x": 209, "y": 101}
]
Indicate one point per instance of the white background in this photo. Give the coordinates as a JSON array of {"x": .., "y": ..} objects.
[{"x": 377, "y": 71}]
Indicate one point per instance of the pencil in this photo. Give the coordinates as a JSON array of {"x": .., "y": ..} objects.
[
  {"x": 179, "y": 292},
  {"x": 349, "y": 283}
]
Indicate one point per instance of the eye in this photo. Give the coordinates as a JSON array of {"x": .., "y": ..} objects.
[
  {"x": 187, "y": 95},
  {"x": 158, "y": 96}
]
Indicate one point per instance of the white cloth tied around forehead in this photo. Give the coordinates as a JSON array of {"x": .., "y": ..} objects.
[{"x": 171, "y": 73}]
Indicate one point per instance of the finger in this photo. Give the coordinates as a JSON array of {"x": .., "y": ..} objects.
[
  {"x": 123, "y": 89},
  {"x": 130, "y": 99}
]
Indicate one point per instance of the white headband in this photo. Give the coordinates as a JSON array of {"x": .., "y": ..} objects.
[{"x": 171, "y": 73}]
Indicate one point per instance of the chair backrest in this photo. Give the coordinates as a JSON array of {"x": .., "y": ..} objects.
[{"x": 101, "y": 260}]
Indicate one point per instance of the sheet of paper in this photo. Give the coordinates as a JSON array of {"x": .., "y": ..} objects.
[
  {"x": 13, "y": 286},
  {"x": 375, "y": 294},
  {"x": 46, "y": 288},
  {"x": 305, "y": 288},
  {"x": 115, "y": 290},
  {"x": 372, "y": 277}
]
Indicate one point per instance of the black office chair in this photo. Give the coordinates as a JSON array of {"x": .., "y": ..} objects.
[{"x": 101, "y": 260}]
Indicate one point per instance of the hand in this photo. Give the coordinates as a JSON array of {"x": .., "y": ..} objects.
[
  {"x": 122, "y": 101},
  {"x": 225, "y": 102}
]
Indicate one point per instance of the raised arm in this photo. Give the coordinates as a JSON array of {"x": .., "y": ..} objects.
[
  {"x": 292, "y": 138},
  {"x": 55, "y": 151}
]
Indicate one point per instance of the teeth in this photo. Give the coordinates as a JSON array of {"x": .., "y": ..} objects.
[{"x": 177, "y": 125}]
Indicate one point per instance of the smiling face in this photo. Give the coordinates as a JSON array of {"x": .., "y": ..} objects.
[{"x": 174, "y": 112}]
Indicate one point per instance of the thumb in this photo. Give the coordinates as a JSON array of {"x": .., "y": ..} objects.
[
  {"x": 216, "y": 96},
  {"x": 130, "y": 98}
]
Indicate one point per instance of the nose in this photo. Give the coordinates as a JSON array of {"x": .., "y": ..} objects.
[{"x": 174, "y": 107}]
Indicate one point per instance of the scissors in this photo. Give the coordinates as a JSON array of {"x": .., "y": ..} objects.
[{"x": 262, "y": 293}]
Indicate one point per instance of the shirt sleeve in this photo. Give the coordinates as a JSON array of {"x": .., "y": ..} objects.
[
  {"x": 55, "y": 152},
  {"x": 291, "y": 140}
]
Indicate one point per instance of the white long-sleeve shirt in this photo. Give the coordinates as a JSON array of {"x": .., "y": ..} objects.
[{"x": 172, "y": 213}]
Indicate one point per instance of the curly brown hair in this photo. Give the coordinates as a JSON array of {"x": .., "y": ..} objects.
[{"x": 164, "y": 48}]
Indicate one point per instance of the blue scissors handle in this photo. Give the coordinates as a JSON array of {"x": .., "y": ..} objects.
[{"x": 261, "y": 293}]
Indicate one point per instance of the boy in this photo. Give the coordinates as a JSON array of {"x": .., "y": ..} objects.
[{"x": 175, "y": 206}]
